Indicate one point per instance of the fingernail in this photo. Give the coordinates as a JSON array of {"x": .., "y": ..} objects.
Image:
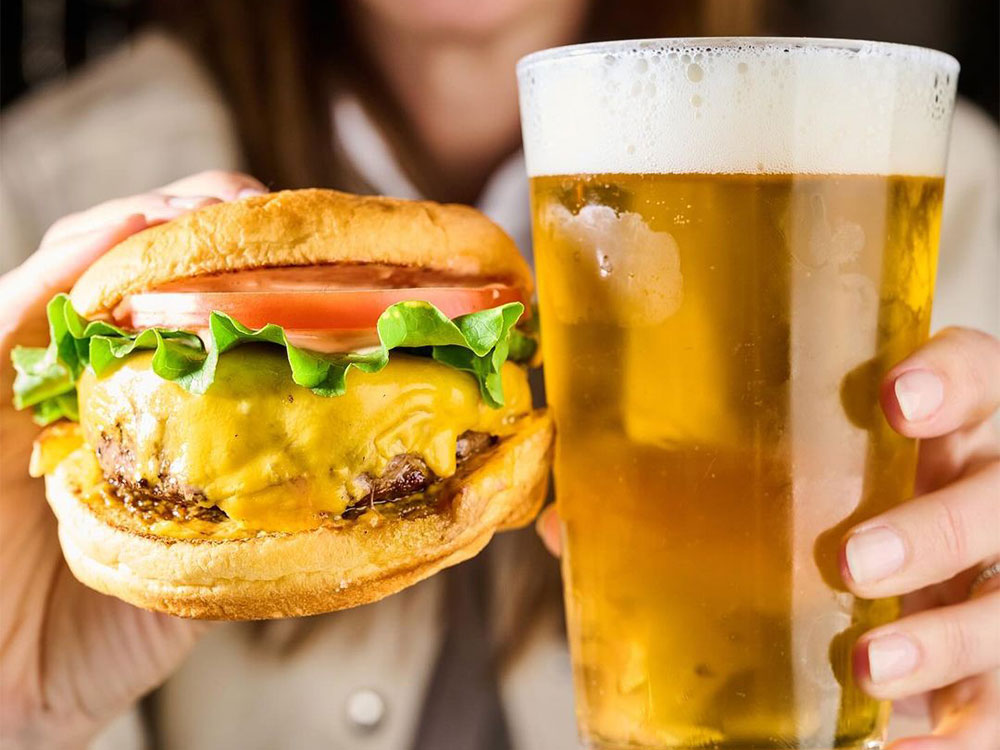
[
  {"x": 891, "y": 657},
  {"x": 873, "y": 554},
  {"x": 249, "y": 192},
  {"x": 190, "y": 201},
  {"x": 919, "y": 393}
]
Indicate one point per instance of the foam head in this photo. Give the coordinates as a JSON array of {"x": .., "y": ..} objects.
[{"x": 746, "y": 106}]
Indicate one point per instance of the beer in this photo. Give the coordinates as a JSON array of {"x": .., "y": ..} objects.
[
  {"x": 704, "y": 488},
  {"x": 714, "y": 343}
]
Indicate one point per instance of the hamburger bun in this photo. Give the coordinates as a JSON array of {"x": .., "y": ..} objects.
[{"x": 303, "y": 228}]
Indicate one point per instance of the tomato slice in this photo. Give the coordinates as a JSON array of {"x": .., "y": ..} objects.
[{"x": 307, "y": 310}]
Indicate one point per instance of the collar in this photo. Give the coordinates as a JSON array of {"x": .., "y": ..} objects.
[{"x": 504, "y": 198}]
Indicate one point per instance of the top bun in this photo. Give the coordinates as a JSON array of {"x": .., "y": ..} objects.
[{"x": 303, "y": 228}]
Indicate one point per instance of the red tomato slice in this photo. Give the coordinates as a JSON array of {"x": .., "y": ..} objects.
[{"x": 322, "y": 310}]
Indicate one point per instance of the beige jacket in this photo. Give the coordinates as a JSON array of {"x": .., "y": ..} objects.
[{"x": 356, "y": 679}]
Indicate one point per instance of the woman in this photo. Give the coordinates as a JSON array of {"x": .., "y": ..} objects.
[{"x": 403, "y": 98}]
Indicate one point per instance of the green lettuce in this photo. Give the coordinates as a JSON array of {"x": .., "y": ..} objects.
[{"x": 478, "y": 343}]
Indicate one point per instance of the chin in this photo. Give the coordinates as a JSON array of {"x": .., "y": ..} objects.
[{"x": 452, "y": 18}]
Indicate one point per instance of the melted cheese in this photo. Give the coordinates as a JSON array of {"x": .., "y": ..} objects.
[
  {"x": 80, "y": 472},
  {"x": 52, "y": 445},
  {"x": 273, "y": 455}
]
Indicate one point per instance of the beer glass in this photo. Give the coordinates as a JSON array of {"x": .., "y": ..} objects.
[{"x": 735, "y": 240}]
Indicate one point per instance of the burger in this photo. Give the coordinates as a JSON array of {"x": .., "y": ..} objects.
[{"x": 290, "y": 404}]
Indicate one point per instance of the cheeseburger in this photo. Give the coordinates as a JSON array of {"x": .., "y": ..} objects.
[{"x": 290, "y": 404}]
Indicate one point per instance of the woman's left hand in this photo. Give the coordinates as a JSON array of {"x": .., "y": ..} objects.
[{"x": 933, "y": 549}]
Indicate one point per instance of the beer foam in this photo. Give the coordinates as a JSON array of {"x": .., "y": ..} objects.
[{"x": 745, "y": 106}]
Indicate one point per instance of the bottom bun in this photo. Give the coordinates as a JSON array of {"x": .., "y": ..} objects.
[{"x": 268, "y": 575}]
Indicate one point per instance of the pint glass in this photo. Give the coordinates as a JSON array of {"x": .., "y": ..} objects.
[{"x": 735, "y": 239}]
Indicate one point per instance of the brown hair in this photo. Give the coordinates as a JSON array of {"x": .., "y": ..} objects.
[{"x": 278, "y": 64}]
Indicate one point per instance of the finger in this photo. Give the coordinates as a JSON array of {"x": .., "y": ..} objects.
[
  {"x": 949, "y": 382},
  {"x": 927, "y": 540},
  {"x": 547, "y": 526},
  {"x": 944, "y": 459},
  {"x": 57, "y": 267},
  {"x": 931, "y": 649},
  {"x": 156, "y": 207},
  {"x": 169, "y": 202},
  {"x": 228, "y": 186},
  {"x": 966, "y": 717},
  {"x": 912, "y": 706}
]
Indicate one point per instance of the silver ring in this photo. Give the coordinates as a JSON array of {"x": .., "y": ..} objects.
[{"x": 989, "y": 572}]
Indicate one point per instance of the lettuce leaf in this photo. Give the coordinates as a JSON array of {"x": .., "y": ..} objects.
[{"x": 478, "y": 343}]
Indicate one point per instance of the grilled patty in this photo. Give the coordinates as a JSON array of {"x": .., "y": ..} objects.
[{"x": 405, "y": 475}]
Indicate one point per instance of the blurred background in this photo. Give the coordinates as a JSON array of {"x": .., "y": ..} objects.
[
  {"x": 44, "y": 40},
  {"x": 318, "y": 93}
]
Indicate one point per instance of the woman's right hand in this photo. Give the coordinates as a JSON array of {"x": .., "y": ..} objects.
[{"x": 73, "y": 659}]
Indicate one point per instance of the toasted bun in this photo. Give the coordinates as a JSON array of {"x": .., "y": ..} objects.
[
  {"x": 303, "y": 228},
  {"x": 282, "y": 575}
]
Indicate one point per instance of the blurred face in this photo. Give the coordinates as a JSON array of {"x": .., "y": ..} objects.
[{"x": 456, "y": 17}]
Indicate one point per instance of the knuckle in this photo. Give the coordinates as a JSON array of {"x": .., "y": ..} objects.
[
  {"x": 119, "y": 208},
  {"x": 114, "y": 206},
  {"x": 963, "y": 336},
  {"x": 218, "y": 183},
  {"x": 60, "y": 225},
  {"x": 950, "y": 533},
  {"x": 221, "y": 177},
  {"x": 211, "y": 174},
  {"x": 107, "y": 212},
  {"x": 959, "y": 645},
  {"x": 975, "y": 355}
]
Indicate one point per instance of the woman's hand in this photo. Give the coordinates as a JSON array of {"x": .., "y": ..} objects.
[
  {"x": 932, "y": 549},
  {"x": 72, "y": 659}
]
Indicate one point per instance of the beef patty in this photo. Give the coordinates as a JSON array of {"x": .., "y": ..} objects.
[{"x": 405, "y": 475}]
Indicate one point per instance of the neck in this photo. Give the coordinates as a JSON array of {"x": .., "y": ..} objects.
[{"x": 459, "y": 91}]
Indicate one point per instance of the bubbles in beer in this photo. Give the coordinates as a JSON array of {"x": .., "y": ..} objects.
[
  {"x": 632, "y": 273},
  {"x": 604, "y": 266},
  {"x": 647, "y": 107}
]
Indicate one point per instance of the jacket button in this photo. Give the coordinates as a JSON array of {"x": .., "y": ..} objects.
[{"x": 365, "y": 709}]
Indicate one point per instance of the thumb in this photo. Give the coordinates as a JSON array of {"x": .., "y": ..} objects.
[
  {"x": 54, "y": 268},
  {"x": 58, "y": 264}
]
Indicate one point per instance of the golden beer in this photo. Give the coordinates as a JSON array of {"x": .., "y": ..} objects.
[
  {"x": 714, "y": 343},
  {"x": 719, "y": 430}
]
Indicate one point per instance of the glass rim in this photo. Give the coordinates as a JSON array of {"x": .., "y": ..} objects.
[{"x": 918, "y": 54}]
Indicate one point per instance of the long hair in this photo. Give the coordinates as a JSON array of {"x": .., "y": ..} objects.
[{"x": 279, "y": 64}]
